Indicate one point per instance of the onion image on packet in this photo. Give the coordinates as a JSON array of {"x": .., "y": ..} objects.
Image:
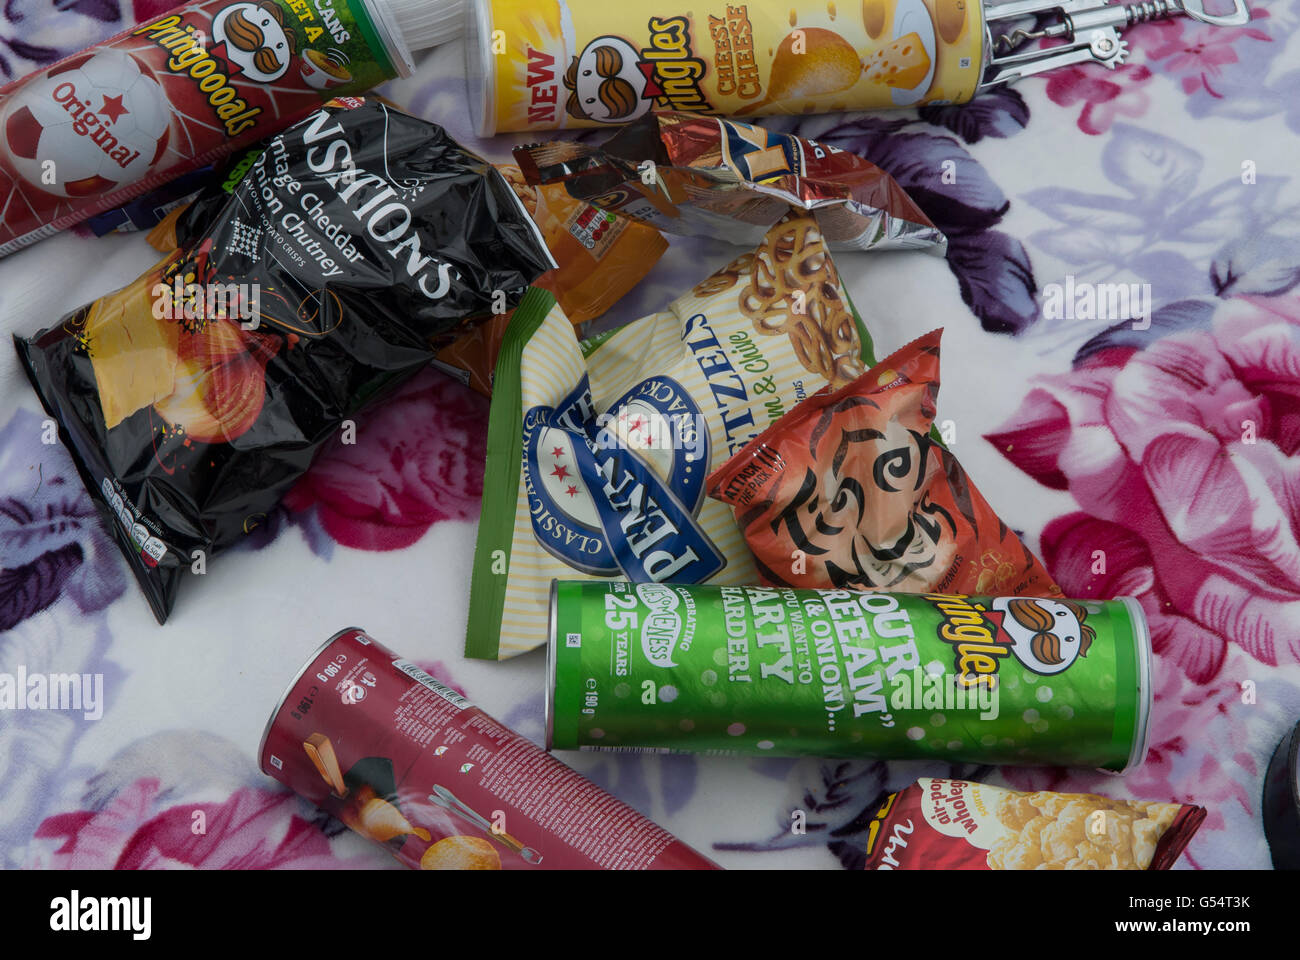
[{"x": 848, "y": 490}]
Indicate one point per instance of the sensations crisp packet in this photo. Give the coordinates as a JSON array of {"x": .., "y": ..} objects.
[
  {"x": 851, "y": 490},
  {"x": 598, "y": 451},
  {"x": 300, "y": 291},
  {"x": 938, "y": 824}
]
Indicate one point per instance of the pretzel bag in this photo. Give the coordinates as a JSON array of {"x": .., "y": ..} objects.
[
  {"x": 849, "y": 489},
  {"x": 938, "y": 824},
  {"x": 704, "y": 176},
  {"x": 598, "y": 450}
]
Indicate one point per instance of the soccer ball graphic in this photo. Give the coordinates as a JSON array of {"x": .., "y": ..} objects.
[{"x": 102, "y": 118}]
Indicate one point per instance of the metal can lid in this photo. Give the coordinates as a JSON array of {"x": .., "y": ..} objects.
[
  {"x": 279, "y": 703},
  {"x": 1142, "y": 646}
]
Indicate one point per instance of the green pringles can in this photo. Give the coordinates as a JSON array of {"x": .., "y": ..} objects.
[{"x": 694, "y": 668}]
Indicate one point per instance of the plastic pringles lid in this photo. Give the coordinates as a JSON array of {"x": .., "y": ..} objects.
[{"x": 426, "y": 23}]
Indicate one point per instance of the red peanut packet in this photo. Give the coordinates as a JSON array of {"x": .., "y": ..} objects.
[
  {"x": 850, "y": 490},
  {"x": 938, "y": 824}
]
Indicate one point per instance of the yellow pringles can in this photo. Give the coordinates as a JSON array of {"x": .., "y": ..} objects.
[{"x": 549, "y": 64}]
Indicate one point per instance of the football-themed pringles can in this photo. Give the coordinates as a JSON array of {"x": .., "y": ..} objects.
[
  {"x": 838, "y": 673},
  {"x": 550, "y": 64},
  {"x": 409, "y": 763},
  {"x": 114, "y": 121}
]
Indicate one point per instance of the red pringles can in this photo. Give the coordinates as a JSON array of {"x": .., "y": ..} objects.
[
  {"x": 411, "y": 764},
  {"x": 168, "y": 96}
]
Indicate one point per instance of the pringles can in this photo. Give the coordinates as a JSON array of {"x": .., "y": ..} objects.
[
  {"x": 545, "y": 64},
  {"x": 168, "y": 96},
  {"x": 549, "y": 64},
  {"x": 408, "y": 762},
  {"x": 837, "y": 673}
]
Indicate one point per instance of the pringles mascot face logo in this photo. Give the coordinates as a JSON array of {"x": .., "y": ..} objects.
[
  {"x": 609, "y": 83},
  {"x": 1048, "y": 635},
  {"x": 255, "y": 40}
]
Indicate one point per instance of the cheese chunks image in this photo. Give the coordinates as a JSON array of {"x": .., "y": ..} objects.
[{"x": 902, "y": 64}]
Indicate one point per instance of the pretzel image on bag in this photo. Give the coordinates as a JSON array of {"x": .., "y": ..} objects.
[{"x": 850, "y": 490}]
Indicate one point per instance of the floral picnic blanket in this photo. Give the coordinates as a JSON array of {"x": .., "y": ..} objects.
[{"x": 1121, "y": 304}]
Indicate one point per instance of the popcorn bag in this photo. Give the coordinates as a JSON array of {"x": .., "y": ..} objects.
[
  {"x": 598, "y": 451},
  {"x": 940, "y": 824}
]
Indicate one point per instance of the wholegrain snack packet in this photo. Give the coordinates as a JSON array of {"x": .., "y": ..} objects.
[
  {"x": 598, "y": 450},
  {"x": 850, "y": 490},
  {"x": 705, "y": 176},
  {"x": 300, "y": 291},
  {"x": 599, "y": 257},
  {"x": 938, "y": 824}
]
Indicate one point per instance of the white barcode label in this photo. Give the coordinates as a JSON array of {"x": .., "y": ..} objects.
[
  {"x": 277, "y": 762},
  {"x": 573, "y": 639},
  {"x": 441, "y": 689}
]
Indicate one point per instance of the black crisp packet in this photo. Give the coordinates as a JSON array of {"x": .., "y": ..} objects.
[{"x": 193, "y": 398}]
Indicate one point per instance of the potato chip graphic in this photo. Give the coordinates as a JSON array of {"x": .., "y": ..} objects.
[
  {"x": 461, "y": 853},
  {"x": 950, "y": 16},
  {"x": 809, "y": 62}
]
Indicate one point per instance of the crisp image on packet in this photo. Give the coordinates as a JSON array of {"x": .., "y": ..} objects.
[
  {"x": 850, "y": 490},
  {"x": 704, "y": 176},
  {"x": 938, "y": 824},
  {"x": 598, "y": 451},
  {"x": 194, "y": 397}
]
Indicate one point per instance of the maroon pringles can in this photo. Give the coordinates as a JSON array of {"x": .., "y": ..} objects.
[{"x": 411, "y": 764}]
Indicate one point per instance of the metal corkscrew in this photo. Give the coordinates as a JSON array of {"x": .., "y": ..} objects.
[{"x": 1090, "y": 29}]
